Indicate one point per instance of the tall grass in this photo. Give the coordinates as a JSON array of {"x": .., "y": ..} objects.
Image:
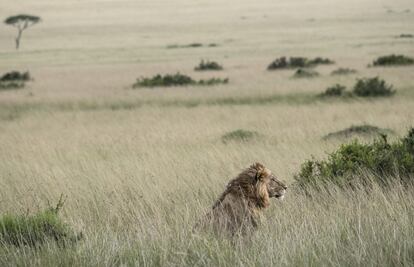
[
  {"x": 335, "y": 227},
  {"x": 136, "y": 184}
]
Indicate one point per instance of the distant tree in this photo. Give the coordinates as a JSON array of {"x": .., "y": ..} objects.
[{"x": 21, "y": 22}]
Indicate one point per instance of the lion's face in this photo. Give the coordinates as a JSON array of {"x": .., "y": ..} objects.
[{"x": 276, "y": 188}]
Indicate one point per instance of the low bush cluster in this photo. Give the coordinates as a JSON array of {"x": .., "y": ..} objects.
[
  {"x": 37, "y": 229},
  {"x": 14, "y": 80},
  {"x": 208, "y": 65},
  {"x": 393, "y": 60},
  {"x": 192, "y": 45},
  {"x": 297, "y": 62},
  {"x": 343, "y": 71},
  {"x": 14, "y": 76},
  {"x": 383, "y": 159},
  {"x": 335, "y": 90},
  {"x": 372, "y": 87},
  {"x": 406, "y": 35},
  {"x": 366, "y": 87},
  {"x": 177, "y": 79}
]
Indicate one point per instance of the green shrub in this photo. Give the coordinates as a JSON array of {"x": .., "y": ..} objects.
[
  {"x": 208, "y": 65},
  {"x": 406, "y": 35},
  {"x": 364, "y": 130},
  {"x": 192, "y": 45},
  {"x": 297, "y": 62},
  {"x": 15, "y": 76},
  {"x": 343, "y": 71},
  {"x": 382, "y": 159},
  {"x": 213, "y": 81},
  {"x": 372, "y": 87},
  {"x": 165, "y": 80},
  {"x": 11, "y": 85},
  {"x": 304, "y": 73},
  {"x": 177, "y": 79},
  {"x": 195, "y": 45},
  {"x": 239, "y": 135},
  {"x": 336, "y": 90},
  {"x": 37, "y": 229},
  {"x": 320, "y": 61},
  {"x": 393, "y": 60},
  {"x": 279, "y": 63}
]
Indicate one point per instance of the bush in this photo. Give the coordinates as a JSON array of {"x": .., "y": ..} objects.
[
  {"x": 166, "y": 80},
  {"x": 343, "y": 71},
  {"x": 239, "y": 135},
  {"x": 177, "y": 79},
  {"x": 14, "y": 76},
  {"x": 192, "y": 45},
  {"x": 303, "y": 73},
  {"x": 11, "y": 85},
  {"x": 393, "y": 60},
  {"x": 14, "y": 80},
  {"x": 213, "y": 81},
  {"x": 320, "y": 61},
  {"x": 279, "y": 63},
  {"x": 406, "y": 35},
  {"x": 208, "y": 65},
  {"x": 372, "y": 87},
  {"x": 382, "y": 159},
  {"x": 297, "y": 62},
  {"x": 37, "y": 229},
  {"x": 336, "y": 90},
  {"x": 364, "y": 130}
]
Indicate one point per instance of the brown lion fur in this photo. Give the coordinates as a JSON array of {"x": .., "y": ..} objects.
[{"x": 238, "y": 208}]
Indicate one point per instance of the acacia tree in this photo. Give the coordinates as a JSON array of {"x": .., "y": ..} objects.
[{"x": 21, "y": 22}]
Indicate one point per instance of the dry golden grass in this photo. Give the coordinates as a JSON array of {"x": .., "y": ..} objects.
[{"x": 139, "y": 166}]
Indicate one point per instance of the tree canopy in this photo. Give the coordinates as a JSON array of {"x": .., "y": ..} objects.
[{"x": 12, "y": 20}]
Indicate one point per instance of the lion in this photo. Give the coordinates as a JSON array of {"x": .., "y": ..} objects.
[{"x": 239, "y": 207}]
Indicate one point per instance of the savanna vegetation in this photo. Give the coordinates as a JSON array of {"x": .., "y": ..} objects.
[{"x": 137, "y": 169}]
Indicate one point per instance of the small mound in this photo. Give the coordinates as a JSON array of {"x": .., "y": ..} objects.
[
  {"x": 343, "y": 71},
  {"x": 364, "y": 130},
  {"x": 304, "y": 73},
  {"x": 393, "y": 60},
  {"x": 239, "y": 135}
]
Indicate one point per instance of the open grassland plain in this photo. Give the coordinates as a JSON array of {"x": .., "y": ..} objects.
[{"x": 140, "y": 166}]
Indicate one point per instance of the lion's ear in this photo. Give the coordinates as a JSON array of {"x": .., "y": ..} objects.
[{"x": 261, "y": 171}]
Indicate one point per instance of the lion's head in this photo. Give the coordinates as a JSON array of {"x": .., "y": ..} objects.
[
  {"x": 276, "y": 188},
  {"x": 257, "y": 184},
  {"x": 266, "y": 184},
  {"x": 240, "y": 204}
]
